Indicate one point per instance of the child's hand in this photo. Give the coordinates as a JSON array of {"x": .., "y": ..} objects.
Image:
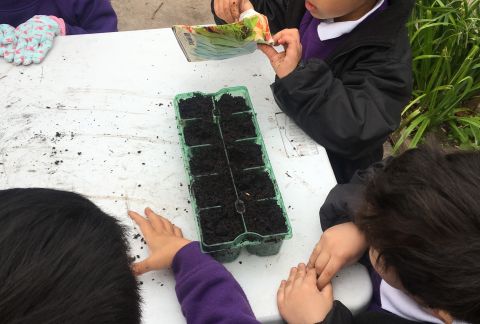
[
  {"x": 339, "y": 246},
  {"x": 230, "y": 10},
  {"x": 8, "y": 41},
  {"x": 300, "y": 301},
  {"x": 35, "y": 39},
  {"x": 163, "y": 238},
  {"x": 284, "y": 62}
]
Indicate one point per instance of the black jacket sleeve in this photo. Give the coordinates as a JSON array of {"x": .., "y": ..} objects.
[
  {"x": 342, "y": 315},
  {"x": 339, "y": 314},
  {"x": 353, "y": 112},
  {"x": 281, "y": 13},
  {"x": 344, "y": 200}
]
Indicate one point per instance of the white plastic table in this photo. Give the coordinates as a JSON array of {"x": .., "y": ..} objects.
[{"x": 97, "y": 118}]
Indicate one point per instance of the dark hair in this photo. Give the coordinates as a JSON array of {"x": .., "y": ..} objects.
[
  {"x": 63, "y": 260},
  {"x": 422, "y": 215}
]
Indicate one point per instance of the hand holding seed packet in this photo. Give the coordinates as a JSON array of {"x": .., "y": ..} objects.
[{"x": 219, "y": 42}]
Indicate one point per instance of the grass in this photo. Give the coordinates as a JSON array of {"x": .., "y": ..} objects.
[{"x": 445, "y": 39}]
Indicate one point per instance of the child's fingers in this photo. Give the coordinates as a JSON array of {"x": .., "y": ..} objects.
[
  {"x": 301, "y": 272},
  {"x": 269, "y": 51},
  {"x": 167, "y": 225},
  {"x": 311, "y": 276},
  {"x": 19, "y": 56},
  {"x": 177, "y": 231},
  {"x": 314, "y": 255},
  {"x": 145, "y": 226},
  {"x": 156, "y": 220},
  {"x": 300, "y": 275},
  {"x": 216, "y": 6},
  {"x": 291, "y": 279},
  {"x": 291, "y": 35},
  {"x": 279, "y": 35},
  {"x": 234, "y": 11},
  {"x": 141, "y": 267},
  {"x": 224, "y": 8},
  {"x": 40, "y": 53},
  {"x": 281, "y": 293},
  {"x": 288, "y": 40},
  {"x": 9, "y": 53},
  {"x": 7, "y": 34},
  {"x": 327, "y": 274},
  {"x": 327, "y": 291},
  {"x": 321, "y": 262}
]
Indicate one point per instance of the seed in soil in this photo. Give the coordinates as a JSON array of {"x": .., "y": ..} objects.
[
  {"x": 211, "y": 191},
  {"x": 243, "y": 155},
  {"x": 220, "y": 225},
  {"x": 198, "y": 106},
  {"x": 228, "y": 104},
  {"x": 265, "y": 218},
  {"x": 237, "y": 127},
  {"x": 254, "y": 185},
  {"x": 198, "y": 132},
  {"x": 207, "y": 160}
]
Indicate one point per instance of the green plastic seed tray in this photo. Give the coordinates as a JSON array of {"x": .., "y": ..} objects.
[{"x": 234, "y": 193}]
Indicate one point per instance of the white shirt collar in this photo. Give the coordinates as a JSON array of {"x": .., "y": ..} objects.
[
  {"x": 329, "y": 29},
  {"x": 397, "y": 302}
]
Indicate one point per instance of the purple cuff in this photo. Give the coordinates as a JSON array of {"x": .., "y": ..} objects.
[{"x": 189, "y": 257}]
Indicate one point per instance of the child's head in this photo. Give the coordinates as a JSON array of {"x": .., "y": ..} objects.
[
  {"x": 63, "y": 261},
  {"x": 422, "y": 221},
  {"x": 329, "y": 9}
]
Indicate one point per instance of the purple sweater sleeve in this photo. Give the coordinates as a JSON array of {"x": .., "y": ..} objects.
[
  {"x": 207, "y": 292},
  {"x": 92, "y": 16}
]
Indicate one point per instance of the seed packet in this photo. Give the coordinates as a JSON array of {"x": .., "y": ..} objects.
[{"x": 219, "y": 42}]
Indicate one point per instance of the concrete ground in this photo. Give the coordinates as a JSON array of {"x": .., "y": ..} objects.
[{"x": 148, "y": 14}]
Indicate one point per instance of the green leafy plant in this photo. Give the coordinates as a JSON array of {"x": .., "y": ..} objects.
[{"x": 445, "y": 39}]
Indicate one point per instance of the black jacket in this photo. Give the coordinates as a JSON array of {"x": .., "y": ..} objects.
[
  {"x": 342, "y": 315},
  {"x": 351, "y": 101},
  {"x": 342, "y": 202}
]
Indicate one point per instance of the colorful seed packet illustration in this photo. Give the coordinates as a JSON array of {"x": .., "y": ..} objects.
[{"x": 219, "y": 42}]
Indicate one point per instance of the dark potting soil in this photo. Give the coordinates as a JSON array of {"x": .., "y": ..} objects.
[
  {"x": 228, "y": 104},
  {"x": 207, "y": 160},
  {"x": 254, "y": 185},
  {"x": 198, "y": 132},
  {"x": 265, "y": 218},
  {"x": 198, "y": 106},
  {"x": 243, "y": 155},
  {"x": 237, "y": 127},
  {"x": 211, "y": 191},
  {"x": 220, "y": 225}
]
